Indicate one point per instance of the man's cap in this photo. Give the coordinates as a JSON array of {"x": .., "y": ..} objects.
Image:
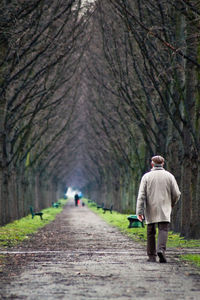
[{"x": 158, "y": 160}]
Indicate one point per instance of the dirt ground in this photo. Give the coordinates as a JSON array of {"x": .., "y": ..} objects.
[{"x": 80, "y": 257}]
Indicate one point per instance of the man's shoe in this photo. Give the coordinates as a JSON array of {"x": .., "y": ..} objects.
[
  {"x": 162, "y": 257},
  {"x": 151, "y": 259}
]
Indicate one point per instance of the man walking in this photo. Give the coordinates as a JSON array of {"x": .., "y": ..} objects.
[
  {"x": 158, "y": 193},
  {"x": 76, "y": 199}
]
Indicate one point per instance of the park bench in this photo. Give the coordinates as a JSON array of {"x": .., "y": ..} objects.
[
  {"x": 35, "y": 213},
  {"x": 105, "y": 209},
  {"x": 134, "y": 222},
  {"x": 100, "y": 206},
  {"x": 55, "y": 204}
]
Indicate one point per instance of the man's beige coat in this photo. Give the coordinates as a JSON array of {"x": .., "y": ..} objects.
[{"x": 158, "y": 193}]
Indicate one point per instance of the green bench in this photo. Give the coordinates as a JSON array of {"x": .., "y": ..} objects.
[
  {"x": 105, "y": 209},
  {"x": 56, "y": 204},
  {"x": 134, "y": 222},
  {"x": 100, "y": 206},
  {"x": 35, "y": 213}
]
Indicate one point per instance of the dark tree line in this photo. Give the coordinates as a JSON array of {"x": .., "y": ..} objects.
[
  {"x": 145, "y": 71},
  {"x": 38, "y": 99}
]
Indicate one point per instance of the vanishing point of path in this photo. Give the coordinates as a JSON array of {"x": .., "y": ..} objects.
[{"x": 80, "y": 257}]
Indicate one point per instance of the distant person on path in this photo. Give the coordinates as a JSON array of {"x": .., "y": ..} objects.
[
  {"x": 158, "y": 193},
  {"x": 76, "y": 199}
]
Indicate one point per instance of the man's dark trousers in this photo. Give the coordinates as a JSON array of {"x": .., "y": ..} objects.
[{"x": 163, "y": 228}]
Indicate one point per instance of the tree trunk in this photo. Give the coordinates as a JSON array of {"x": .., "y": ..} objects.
[
  {"x": 3, "y": 171},
  {"x": 188, "y": 142},
  {"x": 195, "y": 214},
  {"x": 186, "y": 196}
]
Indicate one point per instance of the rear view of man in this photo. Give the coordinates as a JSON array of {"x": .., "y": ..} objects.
[{"x": 158, "y": 193}]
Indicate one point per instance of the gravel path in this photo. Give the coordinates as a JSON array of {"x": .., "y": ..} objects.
[{"x": 80, "y": 257}]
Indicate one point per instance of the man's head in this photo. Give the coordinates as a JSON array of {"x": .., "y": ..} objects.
[{"x": 157, "y": 161}]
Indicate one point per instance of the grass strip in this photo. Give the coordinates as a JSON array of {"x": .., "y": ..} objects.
[
  {"x": 19, "y": 230},
  {"x": 120, "y": 221},
  {"x": 192, "y": 258}
]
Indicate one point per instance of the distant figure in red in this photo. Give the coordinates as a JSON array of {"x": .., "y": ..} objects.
[{"x": 76, "y": 199}]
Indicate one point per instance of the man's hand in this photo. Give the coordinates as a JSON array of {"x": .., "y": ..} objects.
[{"x": 140, "y": 217}]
